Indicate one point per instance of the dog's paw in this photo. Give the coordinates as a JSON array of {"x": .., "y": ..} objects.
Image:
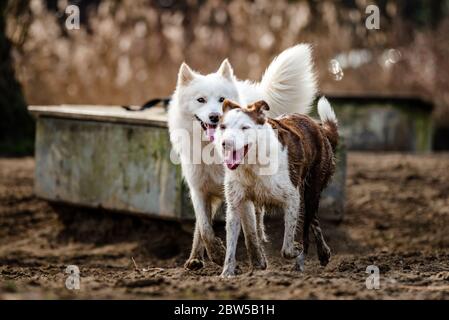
[
  {"x": 291, "y": 252},
  {"x": 260, "y": 263},
  {"x": 227, "y": 273},
  {"x": 193, "y": 264},
  {"x": 259, "y": 266},
  {"x": 263, "y": 237},
  {"x": 218, "y": 252},
  {"x": 299, "y": 263},
  {"x": 324, "y": 255}
]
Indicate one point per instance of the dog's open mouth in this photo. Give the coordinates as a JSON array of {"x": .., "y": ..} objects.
[
  {"x": 208, "y": 128},
  {"x": 233, "y": 158}
]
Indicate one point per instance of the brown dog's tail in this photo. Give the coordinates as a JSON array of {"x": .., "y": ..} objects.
[{"x": 329, "y": 120}]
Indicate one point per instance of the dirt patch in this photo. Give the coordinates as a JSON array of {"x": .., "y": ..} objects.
[{"x": 397, "y": 217}]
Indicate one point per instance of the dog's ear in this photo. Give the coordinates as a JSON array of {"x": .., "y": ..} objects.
[
  {"x": 256, "y": 111},
  {"x": 226, "y": 70},
  {"x": 229, "y": 105},
  {"x": 185, "y": 75},
  {"x": 260, "y": 106}
]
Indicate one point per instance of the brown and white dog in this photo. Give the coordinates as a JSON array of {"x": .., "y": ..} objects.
[{"x": 301, "y": 160}]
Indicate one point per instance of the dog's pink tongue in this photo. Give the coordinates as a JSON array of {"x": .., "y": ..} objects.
[
  {"x": 210, "y": 132},
  {"x": 232, "y": 158}
]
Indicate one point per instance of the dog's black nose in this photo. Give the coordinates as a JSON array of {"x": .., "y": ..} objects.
[{"x": 214, "y": 117}]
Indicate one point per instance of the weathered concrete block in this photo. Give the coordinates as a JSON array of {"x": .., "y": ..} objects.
[
  {"x": 384, "y": 124},
  {"x": 106, "y": 157},
  {"x": 122, "y": 167}
]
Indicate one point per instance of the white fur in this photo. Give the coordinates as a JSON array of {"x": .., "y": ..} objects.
[
  {"x": 235, "y": 121},
  {"x": 246, "y": 188},
  {"x": 205, "y": 181},
  {"x": 325, "y": 111},
  {"x": 288, "y": 85}
]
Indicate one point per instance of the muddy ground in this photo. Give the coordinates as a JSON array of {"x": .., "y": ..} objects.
[{"x": 397, "y": 217}]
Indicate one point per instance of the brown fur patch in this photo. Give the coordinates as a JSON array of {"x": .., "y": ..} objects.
[
  {"x": 229, "y": 105},
  {"x": 310, "y": 144},
  {"x": 309, "y": 148},
  {"x": 256, "y": 111}
]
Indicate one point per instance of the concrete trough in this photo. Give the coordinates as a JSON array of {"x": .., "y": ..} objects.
[
  {"x": 107, "y": 157},
  {"x": 384, "y": 123}
]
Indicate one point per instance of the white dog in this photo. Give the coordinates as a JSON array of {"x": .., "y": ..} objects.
[{"x": 288, "y": 85}]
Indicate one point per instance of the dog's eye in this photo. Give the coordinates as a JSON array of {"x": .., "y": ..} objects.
[
  {"x": 245, "y": 127},
  {"x": 221, "y": 99},
  {"x": 201, "y": 100},
  {"x": 222, "y": 127}
]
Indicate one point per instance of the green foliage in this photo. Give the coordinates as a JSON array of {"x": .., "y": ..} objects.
[{"x": 16, "y": 125}]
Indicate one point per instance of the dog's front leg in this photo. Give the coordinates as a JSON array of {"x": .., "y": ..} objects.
[
  {"x": 195, "y": 260},
  {"x": 232, "y": 236},
  {"x": 290, "y": 249},
  {"x": 252, "y": 238},
  {"x": 214, "y": 246},
  {"x": 260, "y": 212}
]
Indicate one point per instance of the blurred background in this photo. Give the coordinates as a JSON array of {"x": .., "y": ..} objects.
[
  {"x": 396, "y": 208},
  {"x": 128, "y": 51}
]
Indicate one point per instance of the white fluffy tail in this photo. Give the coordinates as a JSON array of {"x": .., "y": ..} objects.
[
  {"x": 289, "y": 83},
  {"x": 329, "y": 120},
  {"x": 325, "y": 111}
]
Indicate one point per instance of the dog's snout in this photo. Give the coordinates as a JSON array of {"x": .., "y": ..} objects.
[
  {"x": 227, "y": 144},
  {"x": 214, "y": 117}
]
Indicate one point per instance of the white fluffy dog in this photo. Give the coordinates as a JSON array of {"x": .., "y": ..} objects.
[{"x": 288, "y": 85}]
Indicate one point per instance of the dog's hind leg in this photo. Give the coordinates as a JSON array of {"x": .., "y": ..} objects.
[
  {"x": 312, "y": 197},
  {"x": 307, "y": 208},
  {"x": 195, "y": 260},
  {"x": 291, "y": 249},
  {"x": 323, "y": 250},
  {"x": 305, "y": 235},
  {"x": 203, "y": 212},
  {"x": 302, "y": 227},
  {"x": 252, "y": 239}
]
